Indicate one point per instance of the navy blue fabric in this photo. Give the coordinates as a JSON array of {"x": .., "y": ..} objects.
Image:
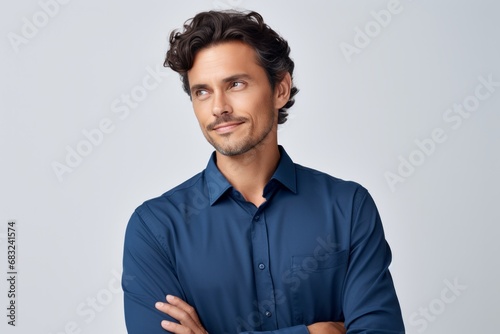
[{"x": 314, "y": 251}]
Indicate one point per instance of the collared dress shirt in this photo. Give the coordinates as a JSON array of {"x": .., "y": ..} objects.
[{"x": 313, "y": 251}]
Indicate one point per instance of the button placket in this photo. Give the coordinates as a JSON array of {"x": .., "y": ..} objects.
[{"x": 263, "y": 279}]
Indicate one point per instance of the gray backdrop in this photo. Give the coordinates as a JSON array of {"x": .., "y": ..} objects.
[{"x": 400, "y": 96}]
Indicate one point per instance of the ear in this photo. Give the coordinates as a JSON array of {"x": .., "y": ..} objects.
[{"x": 282, "y": 91}]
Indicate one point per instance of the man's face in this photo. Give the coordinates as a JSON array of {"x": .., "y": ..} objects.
[{"x": 233, "y": 99}]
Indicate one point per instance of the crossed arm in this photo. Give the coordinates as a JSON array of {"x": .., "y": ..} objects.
[
  {"x": 189, "y": 322},
  {"x": 369, "y": 301}
]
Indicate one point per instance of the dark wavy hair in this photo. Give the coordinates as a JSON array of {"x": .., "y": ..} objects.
[{"x": 214, "y": 27}]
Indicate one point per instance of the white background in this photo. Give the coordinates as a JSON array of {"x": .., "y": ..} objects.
[{"x": 354, "y": 117}]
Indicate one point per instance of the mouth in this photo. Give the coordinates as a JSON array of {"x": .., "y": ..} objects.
[{"x": 226, "y": 127}]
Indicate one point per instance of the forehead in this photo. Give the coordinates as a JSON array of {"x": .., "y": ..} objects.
[{"x": 223, "y": 60}]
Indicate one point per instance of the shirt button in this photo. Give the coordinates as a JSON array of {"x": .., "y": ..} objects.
[
  {"x": 256, "y": 218},
  {"x": 268, "y": 314},
  {"x": 262, "y": 266}
]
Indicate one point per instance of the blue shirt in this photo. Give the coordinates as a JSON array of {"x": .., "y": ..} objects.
[{"x": 314, "y": 251}]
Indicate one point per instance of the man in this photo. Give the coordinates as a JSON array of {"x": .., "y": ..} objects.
[{"x": 254, "y": 243}]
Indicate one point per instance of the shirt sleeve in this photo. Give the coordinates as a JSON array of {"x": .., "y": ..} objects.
[
  {"x": 301, "y": 329},
  {"x": 150, "y": 276},
  {"x": 370, "y": 303}
]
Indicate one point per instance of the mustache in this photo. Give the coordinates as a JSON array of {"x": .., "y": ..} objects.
[{"x": 225, "y": 118}]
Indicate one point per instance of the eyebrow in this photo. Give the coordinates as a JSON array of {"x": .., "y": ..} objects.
[
  {"x": 231, "y": 78},
  {"x": 236, "y": 77}
]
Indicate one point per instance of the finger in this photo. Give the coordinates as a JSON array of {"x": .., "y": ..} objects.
[
  {"x": 180, "y": 315},
  {"x": 339, "y": 326},
  {"x": 175, "y": 328},
  {"x": 181, "y": 304}
]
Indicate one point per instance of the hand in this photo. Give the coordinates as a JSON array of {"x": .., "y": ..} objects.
[
  {"x": 327, "y": 328},
  {"x": 182, "y": 312}
]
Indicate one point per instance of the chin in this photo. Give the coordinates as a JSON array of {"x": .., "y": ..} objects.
[{"x": 232, "y": 151}]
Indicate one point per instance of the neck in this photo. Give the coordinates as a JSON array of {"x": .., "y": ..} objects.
[{"x": 250, "y": 172}]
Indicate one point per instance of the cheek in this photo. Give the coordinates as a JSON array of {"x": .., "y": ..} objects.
[
  {"x": 256, "y": 104},
  {"x": 267, "y": 109}
]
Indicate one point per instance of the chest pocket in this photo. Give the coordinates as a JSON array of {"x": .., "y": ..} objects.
[
  {"x": 317, "y": 296},
  {"x": 318, "y": 262}
]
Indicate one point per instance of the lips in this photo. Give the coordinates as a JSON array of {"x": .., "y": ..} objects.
[
  {"x": 225, "y": 123},
  {"x": 226, "y": 127}
]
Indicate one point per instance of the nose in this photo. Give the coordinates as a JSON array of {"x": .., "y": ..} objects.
[{"x": 220, "y": 104}]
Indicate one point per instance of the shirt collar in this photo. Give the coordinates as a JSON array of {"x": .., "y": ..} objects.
[
  {"x": 285, "y": 173},
  {"x": 217, "y": 184}
]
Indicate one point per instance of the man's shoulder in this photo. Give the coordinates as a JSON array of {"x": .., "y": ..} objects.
[
  {"x": 185, "y": 188},
  {"x": 193, "y": 182},
  {"x": 307, "y": 174},
  {"x": 346, "y": 193},
  {"x": 174, "y": 196}
]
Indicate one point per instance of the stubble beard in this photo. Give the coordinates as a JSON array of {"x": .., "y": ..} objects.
[{"x": 242, "y": 146}]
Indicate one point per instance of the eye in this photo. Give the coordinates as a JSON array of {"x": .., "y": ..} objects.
[
  {"x": 201, "y": 94},
  {"x": 237, "y": 85}
]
